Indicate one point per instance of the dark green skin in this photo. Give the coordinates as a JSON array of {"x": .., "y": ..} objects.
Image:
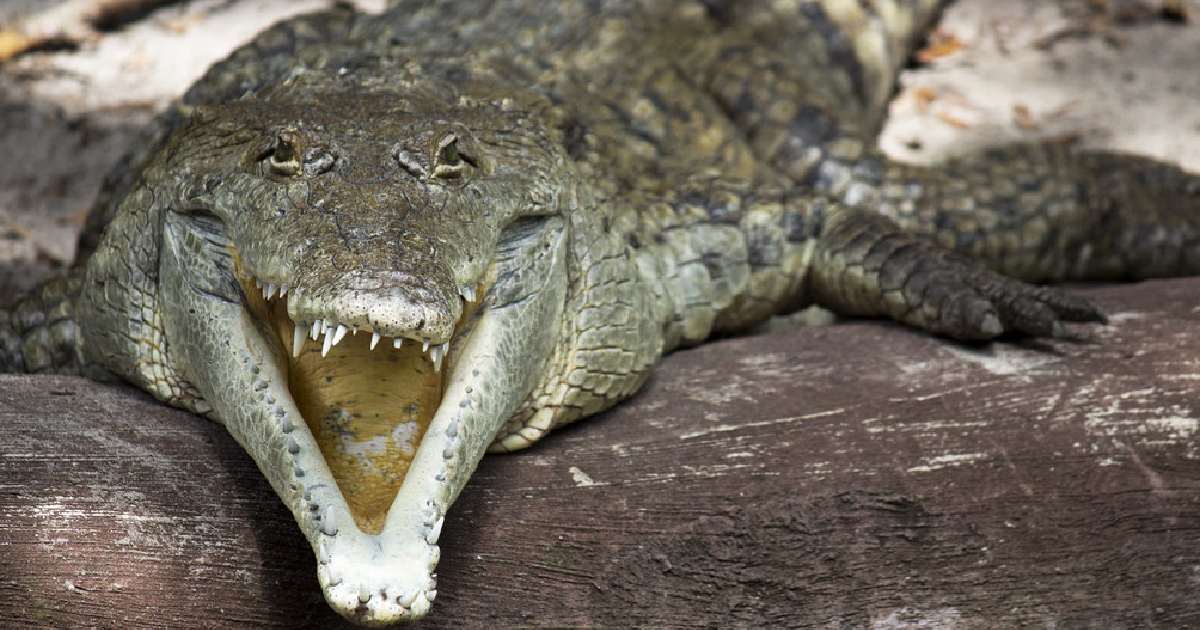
[{"x": 623, "y": 178}]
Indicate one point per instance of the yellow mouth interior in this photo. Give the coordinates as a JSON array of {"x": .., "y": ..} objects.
[{"x": 367, "y": 409}]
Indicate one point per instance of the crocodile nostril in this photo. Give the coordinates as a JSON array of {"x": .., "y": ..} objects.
[
  {"x": 409, "y": 161},
  {"x": 318, "y": 161}
]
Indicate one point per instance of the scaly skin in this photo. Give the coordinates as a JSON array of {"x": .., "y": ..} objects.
[{"x": 536, "y": 201}]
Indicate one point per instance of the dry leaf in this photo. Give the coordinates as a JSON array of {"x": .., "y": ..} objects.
[
  {"x": 1024, "y": 117},
  {"x": 953, "y": 121},
  {"x": 924, "y": 97},
  {"x": 12, "y": 44},
  {"x": 941, "y": 44}
]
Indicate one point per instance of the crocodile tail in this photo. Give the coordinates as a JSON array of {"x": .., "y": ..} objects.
[
  {"x": 871, "y": 42},
  {"x": 837, "y": 61},
  {"x": 808, "y": 83},
  {"x": 1043, "y": 212},
  {"x": 39, "y": 334}
]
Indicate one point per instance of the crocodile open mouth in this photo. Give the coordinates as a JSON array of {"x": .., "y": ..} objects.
[
  {"x": 391, "y": 427},
  {"x": 367, "y": 398}
]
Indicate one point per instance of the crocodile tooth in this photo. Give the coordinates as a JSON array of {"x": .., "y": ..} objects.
[
  {"x": 420, "y": 602},
  {"x": 437, "y": 354},
  {"x": 424, "y": 345},
  {"x": 270, "y": 290},
  {"x": 396, "y": 343},
  {"x": 468, "y": 293},
  {"x": 374, "y": 340},
  {"x": 435, "y": 532},
  {"x": 328, "y": 341},
  {"x": 283, "y": 289},
  {"x": 317, "y": 326},
  {"x": 338, "y": 334},
  {"x": 298, "y": 338}
]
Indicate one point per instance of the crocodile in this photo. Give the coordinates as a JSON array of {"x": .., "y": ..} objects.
[{"x": 376, "y": 247}]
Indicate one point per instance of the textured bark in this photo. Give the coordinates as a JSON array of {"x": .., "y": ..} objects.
[{"x": 836, "y": 476}]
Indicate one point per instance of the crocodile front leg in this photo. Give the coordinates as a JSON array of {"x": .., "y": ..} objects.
[
  {"x": 39, "y": 335},
  {"x": 866, "y": 265},
  {"x": 726, "y": 254}
]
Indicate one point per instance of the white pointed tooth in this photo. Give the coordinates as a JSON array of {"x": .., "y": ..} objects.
[
  {"x": 437, "y": 354},
  {"x": 425, "y": 346},
  {"x": 397, "y": 342},
  {"x": 468, "y": 294},
  {"x": 317, "y": 327},
  {"x": 374, "y": 340},
  {"x": 328, "y": 343},
  {"x": 298, "y": 334},
  {"x": 338, "y": 334},
  {"x": 257, "y": 283},
  {"x": 283, "y": 289},
  {"x": 271, "y": 288},
  {"x": 354, "y": 330}
]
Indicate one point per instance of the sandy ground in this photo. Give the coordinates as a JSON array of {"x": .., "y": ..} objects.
[
  {"x": 1134, "y": 89},
  {"x": 1006, "y": 71}
]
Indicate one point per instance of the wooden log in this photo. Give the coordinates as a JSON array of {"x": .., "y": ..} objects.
[{"x": 853, "y": 475}]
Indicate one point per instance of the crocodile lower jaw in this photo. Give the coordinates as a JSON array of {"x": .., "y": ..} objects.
[{"x": 378, "y": 454}]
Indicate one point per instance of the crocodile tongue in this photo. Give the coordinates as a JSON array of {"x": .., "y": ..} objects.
[{"x": 375, "y": 566}]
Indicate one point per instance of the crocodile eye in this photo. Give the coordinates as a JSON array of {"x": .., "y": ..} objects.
[
  {"x": 451, "y": 163},
  {"x": 448, "y": 156},
  {"x": 281, "y": 157}
]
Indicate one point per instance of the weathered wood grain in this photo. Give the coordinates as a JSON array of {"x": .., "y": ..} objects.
[{"x": 853, "y": 475}]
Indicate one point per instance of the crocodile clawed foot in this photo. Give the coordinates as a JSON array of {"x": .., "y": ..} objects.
[
  {"x": 867, "y": 266},
  {"x": 959, "y": 298}
]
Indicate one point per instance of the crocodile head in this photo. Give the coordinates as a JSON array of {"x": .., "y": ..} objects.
[{"x": 364, "y": 288}]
